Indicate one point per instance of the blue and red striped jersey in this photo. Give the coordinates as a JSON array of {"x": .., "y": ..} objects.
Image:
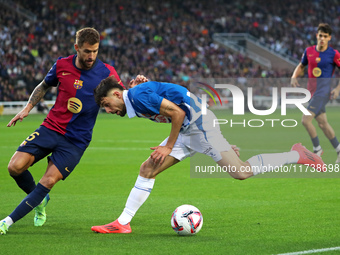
[
  {"x": 75, "y": 110},
  {"x": 321, "y": 67}
]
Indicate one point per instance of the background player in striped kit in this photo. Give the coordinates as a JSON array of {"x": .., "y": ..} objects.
[
  {"x": 66, "y": 131},
  {"x": 321, "y": 60}
]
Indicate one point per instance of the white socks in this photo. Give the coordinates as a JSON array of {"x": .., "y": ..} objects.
[
  {"x": 268, "y": 162},
  {"x": 138, "y": 195},
  {"x": 337, "y": 149},
  {"x": 260, "y": 164},
  {"x": 8, "y": 221},
  {"x": 317, "y": 148}
]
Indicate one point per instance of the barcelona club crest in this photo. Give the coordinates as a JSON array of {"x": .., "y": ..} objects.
[{"x": 78, "y": 84}]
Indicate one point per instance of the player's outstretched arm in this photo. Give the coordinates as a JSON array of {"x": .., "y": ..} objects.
[
  {"x": 37, "y": 94},
  {"x": 297, "y": 72},
  {"x": 177, "y": 116}
]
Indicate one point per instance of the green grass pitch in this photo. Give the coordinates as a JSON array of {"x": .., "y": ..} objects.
[{"x": 255, "y": 216}]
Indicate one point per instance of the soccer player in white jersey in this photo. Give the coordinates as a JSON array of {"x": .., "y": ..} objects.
[{"x": 191, "y": 132}]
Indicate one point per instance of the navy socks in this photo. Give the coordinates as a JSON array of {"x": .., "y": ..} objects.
[
  {"x": 334, "y": 142},
  {"x": 315, "y": 142},
  {"x": 25, "y": 181},
  {"x": 30, "y": 201}
]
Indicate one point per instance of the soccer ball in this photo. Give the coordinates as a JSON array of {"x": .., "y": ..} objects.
[{"x": 186, "y": 220}]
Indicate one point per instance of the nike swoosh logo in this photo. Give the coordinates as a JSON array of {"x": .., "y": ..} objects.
[
  {"x": 65, "y": 73},
  {"x": 29, "y": 205},
  {"x": 66, "y": 168}
]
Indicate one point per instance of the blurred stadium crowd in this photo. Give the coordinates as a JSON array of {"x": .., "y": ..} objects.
[{"x": 163, "y": 40}]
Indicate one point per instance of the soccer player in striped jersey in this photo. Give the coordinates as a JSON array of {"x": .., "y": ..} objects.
[
  {"x": 66, "y": 131},
  {"x": 321, "y": 60},
  {"x": 191, "y": 132}
]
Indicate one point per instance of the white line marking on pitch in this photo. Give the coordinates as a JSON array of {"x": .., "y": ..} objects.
[
  {"x": 119, "y": 148},
  {"x": 131, "y": 141},
  {"x": 312, "y": 251}
]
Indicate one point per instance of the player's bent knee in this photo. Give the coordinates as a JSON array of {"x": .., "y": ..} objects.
[
  {"x": 19, "y": 163},
  {"x": 14, "y": 169},
  {"x": 147, "y": 171},
  {"x": 241, "y": 175},
  {"x": 304, "y": 122},
  {"x": 48, "y": 182},
  {"x": 321, "y": 125}
]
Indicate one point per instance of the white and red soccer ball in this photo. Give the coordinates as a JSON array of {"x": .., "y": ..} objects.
[{"x": 186, "y": 220}]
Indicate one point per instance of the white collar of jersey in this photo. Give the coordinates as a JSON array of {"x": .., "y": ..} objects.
[{"x": 129, "y": 109}]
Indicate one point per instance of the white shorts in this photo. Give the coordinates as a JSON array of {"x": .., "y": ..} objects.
[{"x": 202, "y": 137}]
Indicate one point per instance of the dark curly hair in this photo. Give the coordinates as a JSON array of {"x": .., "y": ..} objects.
[{"x": 104, "y": 87}]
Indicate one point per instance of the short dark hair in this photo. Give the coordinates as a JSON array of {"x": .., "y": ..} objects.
[
  {"x": 104, "y": 87},
  {"x": 325, "y": 28},
  {"x": 87, "y": 34}
]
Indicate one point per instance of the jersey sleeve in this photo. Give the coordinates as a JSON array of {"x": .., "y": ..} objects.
[
  {"x": 147, "y": 101},
  {"x": 304, "y": 59},
  {"x": 336, "y": 59},
  {"x": 114, "y": 73},
  {"x": 51, "y": 78}
]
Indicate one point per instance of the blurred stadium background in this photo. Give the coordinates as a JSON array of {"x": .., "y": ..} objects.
[{"x": 175, "y": 41}]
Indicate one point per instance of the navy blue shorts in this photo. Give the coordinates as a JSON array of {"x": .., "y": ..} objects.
[
  {"x": 318, "y": 105},
  {"x": 65, "y": 155}
]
